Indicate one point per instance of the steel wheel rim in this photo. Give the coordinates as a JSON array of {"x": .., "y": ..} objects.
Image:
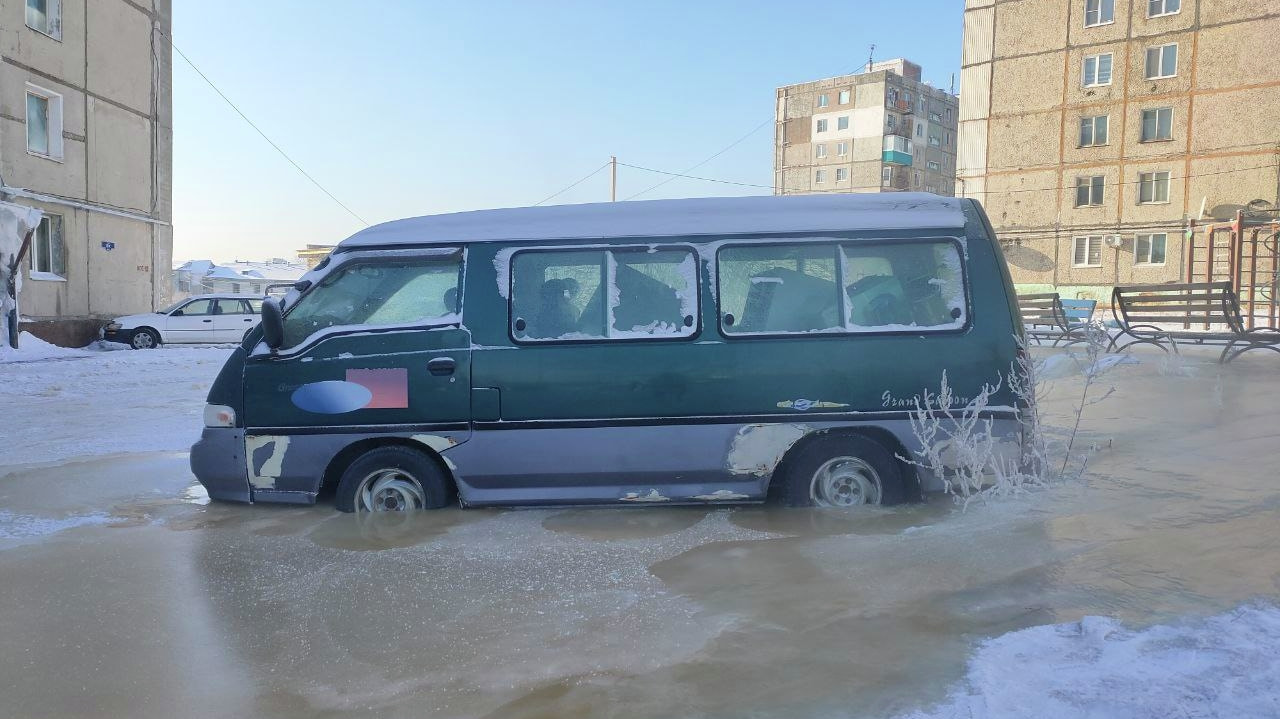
[
  {"x": 845, "y": 482},
  {"x": 142, "y": 341},
  {"x": 390, "y": 490}
]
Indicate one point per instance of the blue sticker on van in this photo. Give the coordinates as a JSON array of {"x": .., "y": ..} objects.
[{"x": 331, "y": 397}]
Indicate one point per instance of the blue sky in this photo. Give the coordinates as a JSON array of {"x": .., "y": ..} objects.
[{"x": 426, "y": 107}]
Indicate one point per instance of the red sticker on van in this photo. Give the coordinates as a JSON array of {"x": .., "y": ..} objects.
[{"x": 389, "y": 387}]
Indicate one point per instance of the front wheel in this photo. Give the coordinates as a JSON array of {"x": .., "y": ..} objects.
[
  {"x": 392, "y": 479},
  {"x": 145, "y": 339},
  {"x": 843, "y": 471}
]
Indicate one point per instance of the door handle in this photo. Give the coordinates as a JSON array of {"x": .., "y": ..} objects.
[
  {"x": 248, "y": 319},
  {"x": 441, "y": 366},
  {"x": 206, "y": 320}
]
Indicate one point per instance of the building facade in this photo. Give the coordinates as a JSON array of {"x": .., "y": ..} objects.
[
  {"x": 882, "y": 130},
  {"x": 199, "y": 277},
  {"x": 1099, "y": 133},
  {"x": 86, "y": 137}
]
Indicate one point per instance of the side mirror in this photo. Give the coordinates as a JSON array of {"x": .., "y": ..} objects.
[{"x": 272, "y": 323}]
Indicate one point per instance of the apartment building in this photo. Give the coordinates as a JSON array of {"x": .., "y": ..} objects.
[
  {"x": 86, "y": 138},
  {"x": 1099, "y": 133},
  {"x": 880, "y": 130}
]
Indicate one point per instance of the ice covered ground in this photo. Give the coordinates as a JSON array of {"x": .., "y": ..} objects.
[
  {"x": 1147, "y": 589},
  {"x": 64, "y": 403}
]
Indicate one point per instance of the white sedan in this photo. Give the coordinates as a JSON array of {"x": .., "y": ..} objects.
[{"x": 199, "y": 319}]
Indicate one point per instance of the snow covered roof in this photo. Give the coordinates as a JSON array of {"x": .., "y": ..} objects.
[{"x": 671, "y": 218}]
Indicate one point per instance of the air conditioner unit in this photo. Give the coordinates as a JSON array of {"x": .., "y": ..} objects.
[{"x": 1114, "y": 241}]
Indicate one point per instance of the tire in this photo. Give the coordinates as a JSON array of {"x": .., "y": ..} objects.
[
  {"x": 409, "y": 479},
  {"x": 843, "y": 471},
  {"x": 145, "y": 339}
]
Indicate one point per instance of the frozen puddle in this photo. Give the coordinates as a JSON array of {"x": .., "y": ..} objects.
[
  {"x": 22, "y": 526},
  {"x": 1223, "y": 666}
]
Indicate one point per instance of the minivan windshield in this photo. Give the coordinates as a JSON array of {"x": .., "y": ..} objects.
[{"x": 377, "y": 293}]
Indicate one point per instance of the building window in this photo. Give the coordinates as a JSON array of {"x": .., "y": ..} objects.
[
  {"x": 44, "y": 122},
  {"x": 1089, "y": 191},
  {"x": 256, "y": 289},
  {"x": 820, "y": 176},
  {"x": 844, "y": 97},
  {"x": 1097, "y": 70},
  {"x": 820, "y": 151},
  {"x": 934, "y": 166},
  {"x": 45, "y": 16},
  {"x": 931, "y": 188},
  {"x": 1157, "y": 124},
  {"x": 48, "y": 254},
  {"x": 935, "y": 117},
  {"x": 946, "y": 139},
  {"x": 842, "y": 123},
  {"x": 893, "y": 96},
  {"x": 1153, "y": 188},
  {"x": 1149, "y": 249},
  {"x": 235, "y": 288},
  {"x": 1099, "y": 12},
  {"x": 1087, "y": 251},
  {"x": 1156, "y": 8},
  {"x": 934, "y": 141},
  {"x": 906, "y": 97},
  {"x": 841, "y": 174},
  {"x": 1162, "y": 61},
  {"x": 822, "y": 125},
  {"x": 890, "y": 122},
  {"x": 886, "y": 176},
  {"x": 919, "y": 129},
  {"x": 1093, "y": 131},
  {"x": 842, "y": 148},
  {"x": 948, "y": 114},
  {"x": 822, "y": 100}
]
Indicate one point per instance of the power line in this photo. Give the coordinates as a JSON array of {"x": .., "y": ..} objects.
[
  {"x": 588, "y": 176},
  {"x": 260, "y": 132},
  {"x": 695, "y": 177},
  {"x": 728, "y": 147}
]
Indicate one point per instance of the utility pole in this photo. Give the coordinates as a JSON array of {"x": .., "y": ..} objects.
[{"x": 613, "y": 179}]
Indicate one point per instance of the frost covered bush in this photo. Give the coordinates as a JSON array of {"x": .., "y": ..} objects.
[{"x": 958, "y": 445}]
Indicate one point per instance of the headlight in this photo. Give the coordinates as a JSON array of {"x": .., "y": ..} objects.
[
  {"x": 219, "y": 415},
  {"x": 113, "y": 326}
]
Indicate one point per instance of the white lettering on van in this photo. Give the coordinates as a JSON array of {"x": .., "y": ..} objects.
[
  {"x": 757, "y": 448},
  {"x": 272, "y": 466},
  {"x": 888, "y": 400}
]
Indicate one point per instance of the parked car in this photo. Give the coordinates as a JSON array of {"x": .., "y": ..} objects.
[
  {"x": 696, "y": 351},
  {"x": 199, "y": 319}
]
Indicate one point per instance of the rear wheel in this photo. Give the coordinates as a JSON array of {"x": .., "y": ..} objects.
[
  {"x": 392, "y": 479},
  {"x": 843, "y": 471},
  {"x": 145, "y": 339}
]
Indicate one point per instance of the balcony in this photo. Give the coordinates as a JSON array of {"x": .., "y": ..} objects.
[
  {"x": 901, "y": 106},
  {"x": 897, "y": 150}
]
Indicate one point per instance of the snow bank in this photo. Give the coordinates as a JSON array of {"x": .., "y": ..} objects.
[
  {"x": 31, "y": 347},
  {"x": 1223, "y": 666}
]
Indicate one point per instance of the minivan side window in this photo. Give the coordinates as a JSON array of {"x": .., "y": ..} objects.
[
  {"x": 377, "y": 293},
  {"x": 603, "y": 294},
  {"x": 887, "y": 287}
]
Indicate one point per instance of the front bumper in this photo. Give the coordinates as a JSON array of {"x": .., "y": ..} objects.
[
  {"x": 122, "y": 336},
  {"x": 217, "y": 460}
]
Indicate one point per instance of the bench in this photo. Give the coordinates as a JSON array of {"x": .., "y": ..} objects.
[
  {"x": 1199, "y": 312},
  {"x": 1049, "y": 317}
]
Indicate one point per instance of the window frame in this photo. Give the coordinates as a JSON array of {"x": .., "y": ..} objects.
[
  {"x": 842, "y": 171},
  {"x": 820, "y": 177},
  {"x": 1142, "y": 125},
  {"x": 1150, "y": 243},
  {"x": 371, "y": 257},
  {"x": 53, "y": 122},
  {"x": 1168, "y": 187},
  {"x": 842, "y": 149},
  {"x": 1087, "y": 238},
  {"x": 842, "y": 300},
  {"x": 844, "y": 97},
  {"x": 1146, "y": 61},
  {"x": 1099, "y": 22},
  {"x": 1092, "y": 121},
  {"x": 604, "y": 248},
  {"x": 819, "y": 150},
  {"x": 52, "y": 274},
  {"x": 53, "y": 18},
  {"x": 1090, "y": 180},
  {"x": 1165, "y": 11},
  {"x": 823, "y": 100},
  {"x": 1097, "y": 62},
  {"x": 842, "y": 123},
  {"x": 820, "y": 125}
]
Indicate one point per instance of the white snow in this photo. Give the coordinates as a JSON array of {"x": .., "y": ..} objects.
[
  {"x": 89, "y": 402},
  {"x": 31, "y": 348},
  {"x": 1222, "y": 666},
  {"x": 674, "y": 218}
]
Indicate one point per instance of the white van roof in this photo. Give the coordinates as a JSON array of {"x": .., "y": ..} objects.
[{"x": 674, "y": 218}]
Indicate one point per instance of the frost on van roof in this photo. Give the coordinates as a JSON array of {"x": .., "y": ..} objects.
[{"x": 674, "y": 218}]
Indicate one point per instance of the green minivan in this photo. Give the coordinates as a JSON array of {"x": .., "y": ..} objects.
[{"x": 698, "y": 351}]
